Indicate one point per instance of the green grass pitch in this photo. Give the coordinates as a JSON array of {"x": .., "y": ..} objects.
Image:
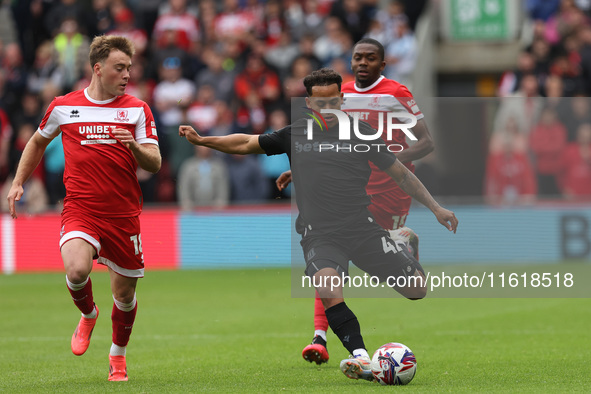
[{"x": 240, "y": 331}]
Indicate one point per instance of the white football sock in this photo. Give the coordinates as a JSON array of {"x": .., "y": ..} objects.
[
  {"x": 117, "y": 350},
  {"x": 360, "y": 353},
  {"x": 321, "y": 333},
  {"x": 91, "y": 315}
]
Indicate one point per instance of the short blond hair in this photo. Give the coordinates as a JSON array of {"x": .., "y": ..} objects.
[{"x": 102, "y": 46}]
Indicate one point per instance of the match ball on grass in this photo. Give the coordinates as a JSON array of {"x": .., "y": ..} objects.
[{"x": 394, "y": 364}]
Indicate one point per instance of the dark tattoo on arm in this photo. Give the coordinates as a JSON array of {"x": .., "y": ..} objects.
[{"x": 414, "y": 188}]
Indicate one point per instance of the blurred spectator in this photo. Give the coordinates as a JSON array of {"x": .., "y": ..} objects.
[
  {"x": 510, "y": 80},
  {"x": 29, "y": 18},
  {"x": 306, "y": 48},
  {"x": 234, "y": 22},
  {"x": 585, "y": 53},
  {"x": 565, "y": 75},
  {"x": 224, "y": 80},
  {"x": 182, "y": 24},
  {"x": 577, "y": 112},
  {"x": 171, "y": 91},
  {"x": 248, "y": 183},
  {"x": 273, "y": 23},
  {"x": 72, "y": 49},
  {"x": 575, "y": 168},
  {"x": 273, "y": 166},
  {"x": 401, "y": 54},
  {"x": 343, "y": 68},
  {"x": 256, "y": 89},
  {"x": 5, "y": 142},
  {"x": 15, "y": 76},
  {"x": 377, "y": 32},
  {"x": 68, "y": 9},
  {"x": 554, "y": 90},
  {"x": 23, "y": 133},
  {"x": 542, "y": 9},
  {"x": 335, "y": 42},
  {"x": 167, "y": 48},
  {"x": 139, "y": 85},
  {"x": 202, "y": 113},
  {"x": 508, "y": 132},
  {"x": 547, "y": 141},
  {"x": 29, "y": 110},
  {"x": 45, "y": 69},
  {"x": 584, "y": 5},
  {"x": 304, "y": 18},
  {"x": 387, "y": 22},
  {"x": 225, "y": 121},
  {"x": 540, "y": 50},
  {"x": 203, "y": 181},
  {"x": 103, "y": 19},
  {"x": 207, "y": 17},
  {"x": 49, "y": 92},
  {"x": 171, "y": 96},
  {"x": 568, "y": 18},
  {"x": 283, "y": 54},
  {"x": 84, "y": 80},
  {"x": 146, "y": 13},
  {"x": 34, "y": 199},
  {"x": 54, "y": 172},
  {"x": 124, "y": 26},
  {"x": 509, "y": 177},
  {"x": 524, "y": 105},
  {"x": 354, "y": 16},
  {"x": 294, "y": 83},
  {"x": 231, "y": 51}
]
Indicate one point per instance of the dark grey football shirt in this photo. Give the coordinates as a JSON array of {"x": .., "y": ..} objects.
[{"x": 329, "y": 175}]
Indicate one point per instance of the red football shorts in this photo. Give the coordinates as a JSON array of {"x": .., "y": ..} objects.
[
  {"x": 390, "y": 208},
  {"x": 117, "y": 241}
]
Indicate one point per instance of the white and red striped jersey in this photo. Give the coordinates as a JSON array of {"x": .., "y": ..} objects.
[
  {"x": 234, "y": 24},
  {"x": 383, "y": 96},
  {"x": 100, "y": 174},
  {"x": 186, "y": 26}
]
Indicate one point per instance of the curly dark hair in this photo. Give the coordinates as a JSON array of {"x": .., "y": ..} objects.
[{"x": 322, "y": 77}]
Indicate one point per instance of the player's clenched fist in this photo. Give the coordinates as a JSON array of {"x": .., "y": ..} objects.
[{"x": 190, "y": 134}]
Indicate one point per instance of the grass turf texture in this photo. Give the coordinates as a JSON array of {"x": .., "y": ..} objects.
[{"x": 232, "y": 331}]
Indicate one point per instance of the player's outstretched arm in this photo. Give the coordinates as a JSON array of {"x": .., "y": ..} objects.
[
  {"x": 414, "y": 188},
  {"x": 241, "y": 144},
  {"x": 29, "y": 160}
]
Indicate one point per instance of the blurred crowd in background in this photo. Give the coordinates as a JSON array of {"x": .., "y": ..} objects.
[
  {"x": 223, "y": 66},
  {"x": 233, "y": 66},
  {"x": 541, "y": 140}
]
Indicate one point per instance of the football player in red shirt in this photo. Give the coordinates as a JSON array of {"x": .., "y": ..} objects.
[
  {"x": 106, "y": 134},
  {"x": 369, "y": 95}
]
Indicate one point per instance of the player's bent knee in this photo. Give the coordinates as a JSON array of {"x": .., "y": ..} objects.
[
  {"x": 77, "y": 274},
  {"x": 327, "y": 294}
]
